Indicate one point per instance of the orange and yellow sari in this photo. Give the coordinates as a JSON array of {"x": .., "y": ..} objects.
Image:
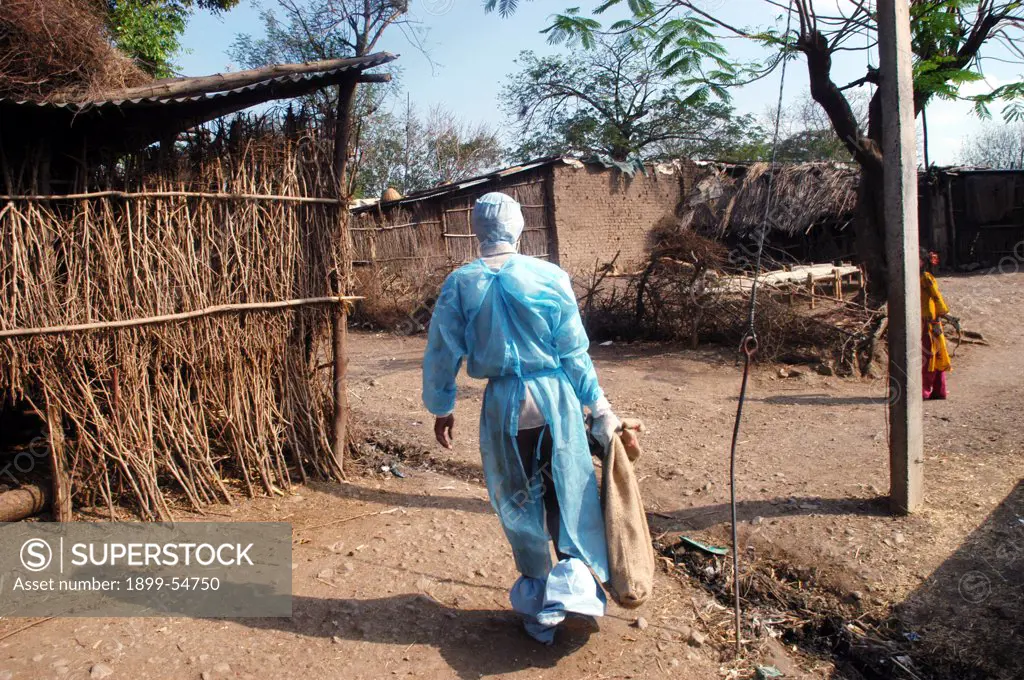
[{"x": 936, "y": 353}]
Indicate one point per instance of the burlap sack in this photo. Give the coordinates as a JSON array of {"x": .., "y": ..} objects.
[{"x": 630, "y": 553}]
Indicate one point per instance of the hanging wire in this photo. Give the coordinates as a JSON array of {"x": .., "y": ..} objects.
[{"x": 749, "y": 343}]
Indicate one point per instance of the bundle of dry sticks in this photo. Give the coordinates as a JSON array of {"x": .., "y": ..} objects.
[{"x": 205, "y": 407}]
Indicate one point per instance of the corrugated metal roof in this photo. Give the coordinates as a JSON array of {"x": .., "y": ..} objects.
[
  {"x": 974, "y": 170},
  {"x": 357, "y": 64},
  {"x": 455, "y": 187},
  {"x": 446, "y": 189}
]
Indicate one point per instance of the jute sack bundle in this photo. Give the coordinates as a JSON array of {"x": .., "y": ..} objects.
[{"x": 630, "y": 553}]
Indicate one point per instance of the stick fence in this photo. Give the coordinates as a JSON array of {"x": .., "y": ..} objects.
[
  {"x": 180, "y": 316},
  {"x": 152, "y": 407},
  {"x": 129, "y": 195}
]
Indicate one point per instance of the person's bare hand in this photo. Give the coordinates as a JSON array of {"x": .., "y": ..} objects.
[
  {"x": 629, "y": 437},
  {"x": 443, "y": 427}
]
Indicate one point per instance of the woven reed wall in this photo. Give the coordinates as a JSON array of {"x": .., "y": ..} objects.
[
  {"x": 437, "y": 230},
  {"x": 194, "y": 412}
]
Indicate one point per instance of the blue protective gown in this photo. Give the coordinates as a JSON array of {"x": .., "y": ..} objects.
[{"x": 520, "y": 328}]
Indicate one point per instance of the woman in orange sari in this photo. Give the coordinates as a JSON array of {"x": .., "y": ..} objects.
[{"x": 933, "y": 309}]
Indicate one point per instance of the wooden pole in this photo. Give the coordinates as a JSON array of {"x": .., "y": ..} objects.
[
  {"x": 178, "y": 87},
  {"x": 863, "y": 283},
  {"x": 810, "y": 288},
  {"x": 172, "y": 318},
  {"x": 339, "y": 321},
  {"x": 339, "y": 331},
  {"x": 129, "y": 195},
  {"x": 803, "y": 294},
  {"x": 61, "y": 484},
  {"x": 899, "y": 149},
  {"x": 25, "y": 501}
]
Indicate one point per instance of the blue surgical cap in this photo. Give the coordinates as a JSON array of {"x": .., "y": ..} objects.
[{"x": 497, "y": 218}]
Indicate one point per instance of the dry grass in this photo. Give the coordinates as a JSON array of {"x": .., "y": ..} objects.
[
  {"x": 808, "y": 608},
  {"x": 677, "y": 297},
  {"x": 58, "y": 50}
]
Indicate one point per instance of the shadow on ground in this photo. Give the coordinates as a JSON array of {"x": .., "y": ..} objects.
[
  {"x": 706, "y": 516},
  {"x": 406, "y": 500},
  {"x": 378, "y": 366},
  {"x": 969, "y": 613},
  {"x": 965, "y": 622},
  {"x": 466, "y": 639},
  {"x": 819, "y": 400},
  {"x": 627, "y": 352}
]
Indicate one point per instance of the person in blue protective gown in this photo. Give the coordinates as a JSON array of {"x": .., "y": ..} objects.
[{"x": 515, "y": 321}]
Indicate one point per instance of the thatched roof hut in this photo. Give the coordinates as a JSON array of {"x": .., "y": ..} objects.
[
  {"x": 730, "y": 200},
  {"x": 812, "y": 205}
]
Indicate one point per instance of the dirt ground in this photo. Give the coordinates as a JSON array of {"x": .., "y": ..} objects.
[{"x": 411, "y": 577}]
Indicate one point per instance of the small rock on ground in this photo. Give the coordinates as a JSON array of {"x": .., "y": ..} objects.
[{"x": 100, "y": 671}]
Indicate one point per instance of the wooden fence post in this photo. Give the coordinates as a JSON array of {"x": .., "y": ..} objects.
[
  {"x": 864, "y": 286},
  {"x": 61, "y": 483},
  {"x": 339, "y": 321}
]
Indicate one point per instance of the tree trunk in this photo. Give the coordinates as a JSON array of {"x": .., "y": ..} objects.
[
  {"x": 869, "y": 227},
  {"x": 342, "y": 275},
  {"x": 867, "y": 153}
]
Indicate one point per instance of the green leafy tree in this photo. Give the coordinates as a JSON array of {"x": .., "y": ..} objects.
[
  {"x": 311, "y": 30},
  {"x": 149, "y": 31},
  {"x": 951, "y": 41},
  {"x": 615, "y": 100},
  {"x": 414, "y": 152}
]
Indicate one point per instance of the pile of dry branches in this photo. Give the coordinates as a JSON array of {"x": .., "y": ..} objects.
[
  {"x": 398, "y": 298},
  {"x": 680, "y": 294},
  {"x": 191, "y": 406},
  {"x": 58, "y": 50}
]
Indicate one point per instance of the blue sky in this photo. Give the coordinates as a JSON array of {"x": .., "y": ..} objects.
[{"x": 471, "y": 53}]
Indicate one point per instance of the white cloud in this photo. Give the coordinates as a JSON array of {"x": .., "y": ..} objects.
[
  {"x": 950, "y": 123},
  {"x": 985, "y": 86}
]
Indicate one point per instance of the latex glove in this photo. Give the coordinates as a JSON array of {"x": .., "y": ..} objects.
[{"x": 605, "y": 423}]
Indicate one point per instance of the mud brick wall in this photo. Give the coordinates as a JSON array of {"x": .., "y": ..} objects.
[{"x": 599, "y": 212}]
